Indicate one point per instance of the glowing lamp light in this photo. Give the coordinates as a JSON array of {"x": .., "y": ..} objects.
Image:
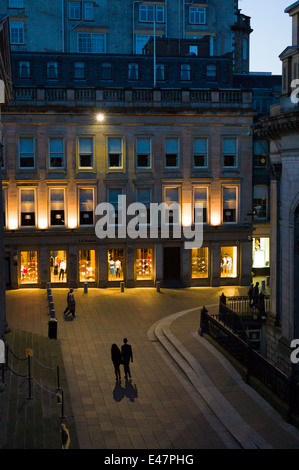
[
  {"x": 215, "y": 219},
  {"x": 72, "y": 223},
  {"x": 12, "y": 222},
  {"x": 100, "y": 117},
  {"x": 42, "y": 223}
]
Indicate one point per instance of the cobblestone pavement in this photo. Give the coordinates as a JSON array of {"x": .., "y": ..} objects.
[{"x": 182, "y": 394}]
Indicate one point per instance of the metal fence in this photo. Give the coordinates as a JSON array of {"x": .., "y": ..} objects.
[{"x": 224, "y": 331}]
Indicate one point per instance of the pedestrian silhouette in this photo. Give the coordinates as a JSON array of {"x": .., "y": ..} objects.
[
  {"x": 127, "y": 355},
  {"x": 71, "y": 304},
  {"x": 116, "y": 358}
]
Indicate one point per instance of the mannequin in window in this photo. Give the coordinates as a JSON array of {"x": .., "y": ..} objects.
[
  {"x": 112, "y": 267},
  {"x": 224, "y": 264},
  {"x": 118, "y": 267},
  {"x": 62, "y": 269}
]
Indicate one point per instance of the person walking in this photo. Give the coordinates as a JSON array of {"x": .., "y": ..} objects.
[
  {"x": 116, "y": 358},
  {"x": 250, "y": 295},
  {"x": 255, "y": 294},
  {"x": 71, "y": 304},
  {"x": 127, "y": 355}
]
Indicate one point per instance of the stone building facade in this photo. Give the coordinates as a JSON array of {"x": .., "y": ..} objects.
[
  {"x": 124, "y": 27},
  {"x": 180, "y": 144},
  {"x": 281, "y": 130}
]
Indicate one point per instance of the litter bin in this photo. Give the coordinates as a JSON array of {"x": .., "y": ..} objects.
[{"x": 52, "y": 333}]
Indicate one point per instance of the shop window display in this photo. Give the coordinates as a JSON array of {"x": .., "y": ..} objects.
[
  {"x": 58, "y": 271},
  {"x": 115, "y": 265},
  {"x": 228, "y": 261},
  {"x": 144, "y": 264},
  {"x": 261, "y": 252},
  {"x": 200, "y": 263},
  {"x": 29, "y": 267},
  {"x": 87, "y": 265}
]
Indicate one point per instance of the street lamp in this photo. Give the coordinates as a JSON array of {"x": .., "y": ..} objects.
[{"x": 100, "y": 117}]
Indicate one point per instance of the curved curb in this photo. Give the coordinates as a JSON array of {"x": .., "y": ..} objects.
[{"x": 230, "y": 419}]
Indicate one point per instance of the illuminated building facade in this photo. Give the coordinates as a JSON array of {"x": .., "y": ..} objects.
[{"x": 187, "y": 140}]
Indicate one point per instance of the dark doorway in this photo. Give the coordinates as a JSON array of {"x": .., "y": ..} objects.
[{"x": 172, "y": 263}]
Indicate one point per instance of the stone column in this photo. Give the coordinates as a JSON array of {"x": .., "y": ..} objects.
[
  {"x": 102, "y": 266},
  {"x": 44, "y": 266},
  {"x": 159, "y": 262},
  {"x": 73, "y": 266},
  {"x": 215, "y": 265},
  {"x": 130, "y": 265},
  {"x": 245, "y": 263},
  {"x": 275, "y": 171},
  {"x": 186, "y": 267}
]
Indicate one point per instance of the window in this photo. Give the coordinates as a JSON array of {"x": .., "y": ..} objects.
[
  {"x": 88, "y": 11},
  {"x": 79, "y": 68},
  {"x": 141, "y": 41},
  {"x": 52, "y": 70},
  {"x": 133, "y": 71},
  {"x": 185, "y": 72},
  {"x": 172, "y": 196},
  {"x": 92, "y": 42},
  {"x": 228, "y": 261},
  {"x": 144, "y": 196},
  {"x": 24, "y": 69},
  {"x": 197, "y": 15},
  {"x": 113, "y": 195},
  {"x": 146, "y": 13},
  {"x": 160, "y": 13},
  {"x": 160, "y": 72},
  {"x": 229, "y": 150},
  {"x": 144, "y": 264},
  {"x": 16, "y": 32},
  {"x": 16, "y": 4},
  {"x": 260, "y": 252},
  {"x": 29, "y": 267},
  {"x": 260, "y": 197},
  {"x": 58, "y": 267},
  {"x": 212, "y": 72},
  {"x": 116, "y": 265},
  {"x": 200, "y": 152},
  {"x": 260, "y": 152},
  {"x": 86, "y": 206},
  {"x": 172, "y": 153},
  {"x": 200, "y": 263},
  {"x": 57, "y": 216},
  {"x": 74, "y": 10},
  {"x": 27, "y": 208},
  {"x": 85, "y": 152},
  {"x": 143, "y": 152},
  {"x": 229, "y": 195},
  {"x": 201, "y": 197},
  {"x": 106, "y": 71},
  {"x": 193, "y": 50},
  {"x": 26, "y": 152},
  {"x": 115, "y": 155},
  {"x": 245, "y": 49},
  {"x": 87, "y": 265},
  {"x": 56, "y": 153}
]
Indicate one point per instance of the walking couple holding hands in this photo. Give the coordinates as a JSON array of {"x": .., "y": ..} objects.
[{"x": 122, "y": 356}]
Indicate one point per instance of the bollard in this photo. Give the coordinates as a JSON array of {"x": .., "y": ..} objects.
[
  {"x": 263, "y": 285},
  {"x": 52, "y": 313},
  {"x": 158, "y": 286},
  {"x": 122, "y": 286},
  {"x": 85, "y": 288},
  {"x": 49, "y": 292},
  {"x": 268, "y": 281},
  {"x": 52, "y": 331},
  {"x": 50, "y": 298},
  {"x": 48, "y": 285}
]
